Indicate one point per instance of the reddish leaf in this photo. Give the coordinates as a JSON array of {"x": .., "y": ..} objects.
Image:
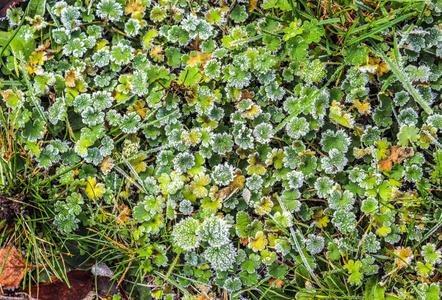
[
  {"x": 80, "y": 281},
  {"x": 14, "y": 267},
  {"x": 6, "y": 4}
]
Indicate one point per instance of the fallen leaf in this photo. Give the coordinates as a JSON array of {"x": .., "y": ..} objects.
[
  {"x": 124, "y": 214},
  {"x": 245, "y": 94},
  {"x": 14, "y": 267},
  {"x": 385, "y": 165},
  {"x": 202, "y": 297},
  {"x": 244, "y": 241},
  {"x": 279, "y": 283},
  {"x": 7, "y": 4},
  {"x": 395, "y": 155},
  {"x": 398, "y": 154},
  {"x": 252, "y": 5},
  {"x": 81, "y": 283},
  {"x": 106, "y": 287}
]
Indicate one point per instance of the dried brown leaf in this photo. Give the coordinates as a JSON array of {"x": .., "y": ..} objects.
[{"x": 14, "y": 267}]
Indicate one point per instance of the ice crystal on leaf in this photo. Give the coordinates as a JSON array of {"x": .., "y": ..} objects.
[
  {"x": 221, "y": 258},
  {"x": 215, "y": 231},
  {"x": 185, "y": 234},
  {"x": 314, "y": 244},
  {"x": 109, "y": 9}
]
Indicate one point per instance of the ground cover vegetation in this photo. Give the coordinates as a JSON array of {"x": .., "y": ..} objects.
[{"x": 215, "y": 149}]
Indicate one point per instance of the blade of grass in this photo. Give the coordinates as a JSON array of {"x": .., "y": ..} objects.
[{"x": 401, "y": 75}]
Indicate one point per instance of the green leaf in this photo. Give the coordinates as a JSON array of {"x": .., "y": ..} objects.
[
  {"x": 353, "y": 268},
  {"x": 242, "y": 221},
  {"x": 189, "y": 76},
  {"x": 277, "y": 271},
  {"x": 251, "y": 263},
  {"x": 373, "y": 290},
  {"x": 239, "y": 13},
  {"x": 21, "y": 45},
  {"x": 36, "y": 8},
  {"x": 4, "y": 37},
  {"x": 408, "y": 134},
  {"x": 173, "y": 57}
]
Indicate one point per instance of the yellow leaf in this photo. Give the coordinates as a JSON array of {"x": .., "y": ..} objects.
[
  {"x": 323, "y": 222},
  {"x": 101, "y": 44},
  {"x": 238, "y": 181},
  {"x": 37, "y": 58},
  {"x": 106, "y": 165},
  {"x": 359, "y": 152},
  {"x": 94, "y": 190},
  {"x": 264, "y": 206},
  {"x": 405, "y": 255},
  {"x": 340, "y": 116},
  {"x": 256, "y": 169},
  {"x": 272, "y": 239},
  {"x": 31, "y": 68},
  {"x": 198, "y": 185},
  {"x": 363, "y": 108},
  {"x": 252, "y": 113},
  {"x": 156, "y": 54},
  {"x": 259, "y": 242},
  {"x": 139, "y": 108},
  {"x": 71, "y": 77},
  {"x": 196, "y": 57},
  {"x": 383, "y": 231},
  {"x": 138, "y": 164},
  {"x": 134, "y": 6}
]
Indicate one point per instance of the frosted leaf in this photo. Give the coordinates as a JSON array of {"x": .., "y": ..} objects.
[
  {"x": 408, "y": 116},
  {"x": 345, "y": 221},
  {"x": 263, "y": 133},
  {"x": 221, "y": 258},
  {"x": 371, "y": 244},
  {"x": 184, "y": 234},
  {"x": 314, "y": 244},
  {"x": 339, "y": 200},
  {"x": 335, "y": 162},
  {"x": 69, "y": 17},
  {"x": 215, "y": 231},
  {"x": 101, "y": 58},
  {"x": 109, "y": 9},
  {"x": 186, "y": 207},
  {"x": 223, "y": 174},
  {"x": 295, "y": 179},
  {"x": 430, "y": 254},
  {"x": 297, "y": 127},
  {"x": 338, "y": 140},
  {"x": 57, "y": 111},
  {"x": 184, "y": 161},
  {"x": 254, "y": 182}
]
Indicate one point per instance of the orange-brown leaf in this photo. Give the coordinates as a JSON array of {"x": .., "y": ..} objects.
[
  {"x": 279, "y": 283},
  {"x": 124, "y": 214},
  {"x": 385, "y": 164},
  {"x": 14, "y": 267},
  {"x": 398, "y": 155},
  {"x": 252, "y": 5}
]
